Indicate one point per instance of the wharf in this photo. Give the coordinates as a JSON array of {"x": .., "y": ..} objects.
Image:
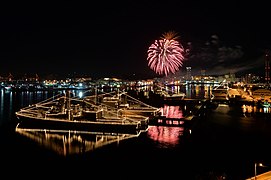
[{"x": 176, "y": 122}]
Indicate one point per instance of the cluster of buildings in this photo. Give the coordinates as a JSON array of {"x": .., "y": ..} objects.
[
  {"x": 35, "y": 82},
  {"x": 32, "y": 82}
]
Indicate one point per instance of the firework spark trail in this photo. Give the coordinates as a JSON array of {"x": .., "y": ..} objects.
[{"x": 166, "y": 55}]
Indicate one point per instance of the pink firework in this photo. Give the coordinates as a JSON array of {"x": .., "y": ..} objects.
[{"x": 166, "y": 54}]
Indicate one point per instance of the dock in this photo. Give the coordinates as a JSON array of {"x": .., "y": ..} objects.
[{"x": 176, "y": 122}]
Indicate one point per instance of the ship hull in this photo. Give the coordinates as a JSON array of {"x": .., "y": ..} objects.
[{"x": 81, "y": 126}]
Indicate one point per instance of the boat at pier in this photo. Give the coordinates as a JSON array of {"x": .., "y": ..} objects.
[
  {"x": 168, "y": 94},
  {"x": 171, "y": 96},
  {"x": 89, "y": 113},
  {"x": 220, "y": 93}
]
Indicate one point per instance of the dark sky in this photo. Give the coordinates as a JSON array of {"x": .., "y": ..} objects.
[{"x": 102, "y": 39}]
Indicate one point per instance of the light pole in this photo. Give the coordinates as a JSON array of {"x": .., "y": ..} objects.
[{"x": 255, "y": 170}]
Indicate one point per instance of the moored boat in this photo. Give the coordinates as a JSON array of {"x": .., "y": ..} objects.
[
  {"x": 176, "y": 96},
  {"x": 79, "y": 114}
]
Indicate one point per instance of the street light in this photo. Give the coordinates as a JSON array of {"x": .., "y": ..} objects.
[{"x": 257, "y": 164}]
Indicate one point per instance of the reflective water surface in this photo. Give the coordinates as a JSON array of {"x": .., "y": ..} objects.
[
  {"x": 66, "y": 143},
  {"x": 224, "y": 143}
]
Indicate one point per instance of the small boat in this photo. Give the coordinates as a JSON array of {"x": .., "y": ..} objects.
[
  {"x": 64, "y": 112},
  {"x": 219, "y": 94},
  {"x": 169, "y": 95},
  {"x": 177, "y": 96}
]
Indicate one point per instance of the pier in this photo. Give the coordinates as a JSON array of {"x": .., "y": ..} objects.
[
  {"x": 198, "y": 110},
  {"x": 175, "y": 122}
]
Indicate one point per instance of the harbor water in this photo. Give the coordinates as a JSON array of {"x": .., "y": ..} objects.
[{"x": 223, "y": 144}]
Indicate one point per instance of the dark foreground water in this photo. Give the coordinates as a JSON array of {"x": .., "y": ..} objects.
[{"x": 224, "y": 144}]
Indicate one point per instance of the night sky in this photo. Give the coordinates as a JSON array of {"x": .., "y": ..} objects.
[{"x": 111, "y": 39}]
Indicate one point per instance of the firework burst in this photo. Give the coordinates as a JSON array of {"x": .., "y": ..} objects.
[{"x": 166, "y": 54}]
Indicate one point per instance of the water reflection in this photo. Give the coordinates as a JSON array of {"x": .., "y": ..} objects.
[
  {"x": 65, "y": 142},
  {"x": 6, "y": 104},
  {"x": 250, "y": 110},
  {"x": 166, "y": 137},
  {"x": 197, "y": 91},
  {"x": 171, "y": 111},
  {"x": 10, "y": 105},
  {"x": 266, "y": 110},
  {"x": 2, "y": 104}
]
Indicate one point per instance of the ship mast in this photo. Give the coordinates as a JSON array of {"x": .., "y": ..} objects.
[
  {"x": 95, "y": 97},
  {"x": 68, "y": 105}
]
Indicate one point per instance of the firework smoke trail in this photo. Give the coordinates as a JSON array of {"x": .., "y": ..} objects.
[{"x": 166, "y": 55}]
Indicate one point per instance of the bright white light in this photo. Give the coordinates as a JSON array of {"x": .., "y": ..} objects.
[{"x": 80, "y": 94}]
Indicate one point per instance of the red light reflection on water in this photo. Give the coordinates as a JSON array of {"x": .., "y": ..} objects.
[
  {"x": 166, "y": 136},
  {"x": 171, "y": 111}
]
